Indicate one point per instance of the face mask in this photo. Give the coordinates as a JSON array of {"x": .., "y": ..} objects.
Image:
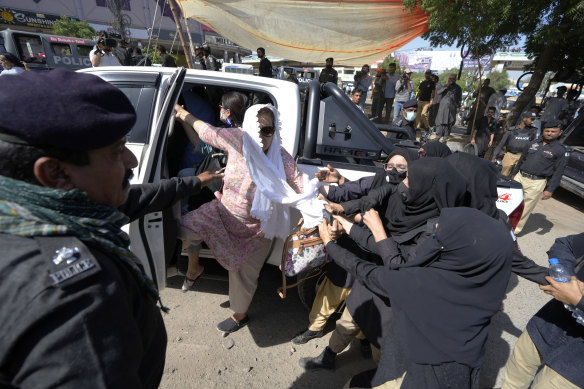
[
  {"x": 225, "y": 120},
  {"x": 404, "y": 192},
  {"x": 395, "y": 177},
  {"x": 410, "y": 116}
]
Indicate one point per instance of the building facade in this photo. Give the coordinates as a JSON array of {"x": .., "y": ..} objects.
[{"x": 145, "y": 22}]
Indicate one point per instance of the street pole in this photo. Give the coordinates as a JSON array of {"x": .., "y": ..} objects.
[{"x": 179, "y": 30}]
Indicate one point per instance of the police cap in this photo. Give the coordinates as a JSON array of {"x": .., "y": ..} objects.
[
  {"x": 64, "y": 109},
  {"x": 410, "y": 103},
  {"x": 329, "y": 59},
  {"x": 529, "y": 114},
  {"x": 552, "y": 124}
]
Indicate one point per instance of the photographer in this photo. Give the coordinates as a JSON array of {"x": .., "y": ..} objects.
[
  {"x": 403, "y": 91},
  {"x": 102, "y": 54}
]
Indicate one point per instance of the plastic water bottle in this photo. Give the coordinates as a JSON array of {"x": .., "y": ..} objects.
[
  {"x": 558, "y": 271},
  {"x": 561, "y": 274}
]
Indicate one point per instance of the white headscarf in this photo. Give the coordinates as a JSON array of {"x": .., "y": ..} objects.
[{"x": 274, "y": 197}]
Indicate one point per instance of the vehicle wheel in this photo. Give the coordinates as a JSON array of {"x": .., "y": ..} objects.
[{"x": 307, "y": 288}]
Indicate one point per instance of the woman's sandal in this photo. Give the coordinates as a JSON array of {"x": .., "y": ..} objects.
[{"x": 186, "y": 287}]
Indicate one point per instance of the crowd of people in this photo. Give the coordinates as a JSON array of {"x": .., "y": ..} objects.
[{"x": 418, "y": 251}]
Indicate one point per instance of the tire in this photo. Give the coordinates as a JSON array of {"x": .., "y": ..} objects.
[{"x": 307, "y": 288}]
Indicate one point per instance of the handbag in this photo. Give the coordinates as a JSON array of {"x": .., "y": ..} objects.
[{"x": 303, "y": 250}]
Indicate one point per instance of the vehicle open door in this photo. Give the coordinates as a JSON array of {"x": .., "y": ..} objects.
[{"x": 147, "y": 234}]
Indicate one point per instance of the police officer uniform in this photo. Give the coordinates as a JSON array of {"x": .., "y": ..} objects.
[
  {"x": 328, "y": 75},
  {"x": 515, "y": 140},
  {"x": 198, "y": 59},
  {"x": 74, "y": 313},
  {"x": 405, "y": 124},
  {"x": 540, "y": 168}
]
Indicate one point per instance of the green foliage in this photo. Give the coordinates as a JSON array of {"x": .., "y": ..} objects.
[
  {"x": 488, "y": 25},
  {"x": 483, "y": 26},
  {"x": 416, "y": 78},
  {"x": 499, "y": 79},
  {"x": 152, "y": 53},
  {"x": 67, "y": 27},
  {"x": 389, "y": 59}
]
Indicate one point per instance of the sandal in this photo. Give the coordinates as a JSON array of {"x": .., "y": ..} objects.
[
  {"x": 229, "y": 325},
  {"x": 186, "y": 287}
]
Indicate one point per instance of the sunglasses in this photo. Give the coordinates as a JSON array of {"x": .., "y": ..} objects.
[
  {"x": 399, "y": 167},
  {"x": 267, "y": 131}
]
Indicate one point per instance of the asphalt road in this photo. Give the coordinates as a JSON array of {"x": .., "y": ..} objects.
[{"x": 261, "y": 355}]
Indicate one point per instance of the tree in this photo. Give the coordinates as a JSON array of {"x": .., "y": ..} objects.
[
  {"x": 389, "y": 59},
  {"x": 554, "y": 31},
  {"x": 67, "y": 27},
  {"x": 499, "y": 79}
]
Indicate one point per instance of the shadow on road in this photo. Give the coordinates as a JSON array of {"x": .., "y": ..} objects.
[
  {"x": 497, "y": 349},
  {"x": 538, "y": 223}
]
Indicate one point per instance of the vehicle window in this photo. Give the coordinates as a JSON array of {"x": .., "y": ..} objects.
[
  {"x": 309, "y": 75},
  {"x": 84, "y": 50},
  {"x": 61, "y": 48},
  {"x": 30, "y": 48},
  {"x": 142, "y": 98},
  {"x": 349, "y": 71}
]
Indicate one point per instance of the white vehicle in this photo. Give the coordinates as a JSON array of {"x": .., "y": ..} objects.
[{"x": 334, "y": 131}]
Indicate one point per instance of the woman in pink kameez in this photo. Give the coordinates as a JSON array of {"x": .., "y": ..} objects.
[{"x": 226, "y": 224}]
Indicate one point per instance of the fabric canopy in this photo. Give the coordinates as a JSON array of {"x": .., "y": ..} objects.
[{"x": 353, "y": 32}]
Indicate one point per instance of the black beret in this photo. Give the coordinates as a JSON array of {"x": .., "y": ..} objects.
[
  {"x": 552, "y": 124},
  {"x": 410, "y": 103},
  {"x": 330, "y": 59},
  {"x": 64, "y": 109}
]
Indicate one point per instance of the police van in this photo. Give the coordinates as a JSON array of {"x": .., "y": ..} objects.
[{"x": 45, "y": 52}]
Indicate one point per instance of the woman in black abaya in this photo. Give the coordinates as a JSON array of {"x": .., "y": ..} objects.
[
  {"x": 434, "y": 185},
  {"x": 443, "y": 298},
  {"x": 482, "y": 176}
]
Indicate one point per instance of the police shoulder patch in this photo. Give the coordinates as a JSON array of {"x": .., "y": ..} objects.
[{"x": 70, "y": 260}]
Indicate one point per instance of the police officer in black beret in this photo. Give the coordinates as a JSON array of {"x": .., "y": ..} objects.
[
  {"x": 405, "y": 119},
  {"x": 540, "y": 168},
  {"x": 328, "y": 74},
  {"x": 77, "y": 309}
]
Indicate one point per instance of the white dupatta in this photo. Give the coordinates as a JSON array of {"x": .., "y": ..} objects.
[{"x": 274, "y": 197}]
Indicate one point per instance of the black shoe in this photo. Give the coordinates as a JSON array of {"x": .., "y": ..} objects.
[
  {"x": 365, "y": 349},
  {"x": 326, "y": 360},
  {"x": 305, "y": 336},
  {"x": 229, "y": 325}
]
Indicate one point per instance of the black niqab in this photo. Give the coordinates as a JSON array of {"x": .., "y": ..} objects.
[
  {"x": 383, "y": 177},
  {"x": 481, "y": 177},
  {"x": 444, "y": 298},
  {"x": 433, "y": 184},
  {"x": 436, "y": 149}
]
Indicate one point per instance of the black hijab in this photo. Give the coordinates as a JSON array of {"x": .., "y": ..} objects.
[
  {"x": 433, "y": 184},
  {"x": 383, "y": 177},
  {"x": 436, "y": 149},
  {"x": 444, "y": 298},
  {"x": 481, "y": 176}
]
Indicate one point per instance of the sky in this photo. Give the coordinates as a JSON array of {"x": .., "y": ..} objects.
[{"x": 419, "y": 42}]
